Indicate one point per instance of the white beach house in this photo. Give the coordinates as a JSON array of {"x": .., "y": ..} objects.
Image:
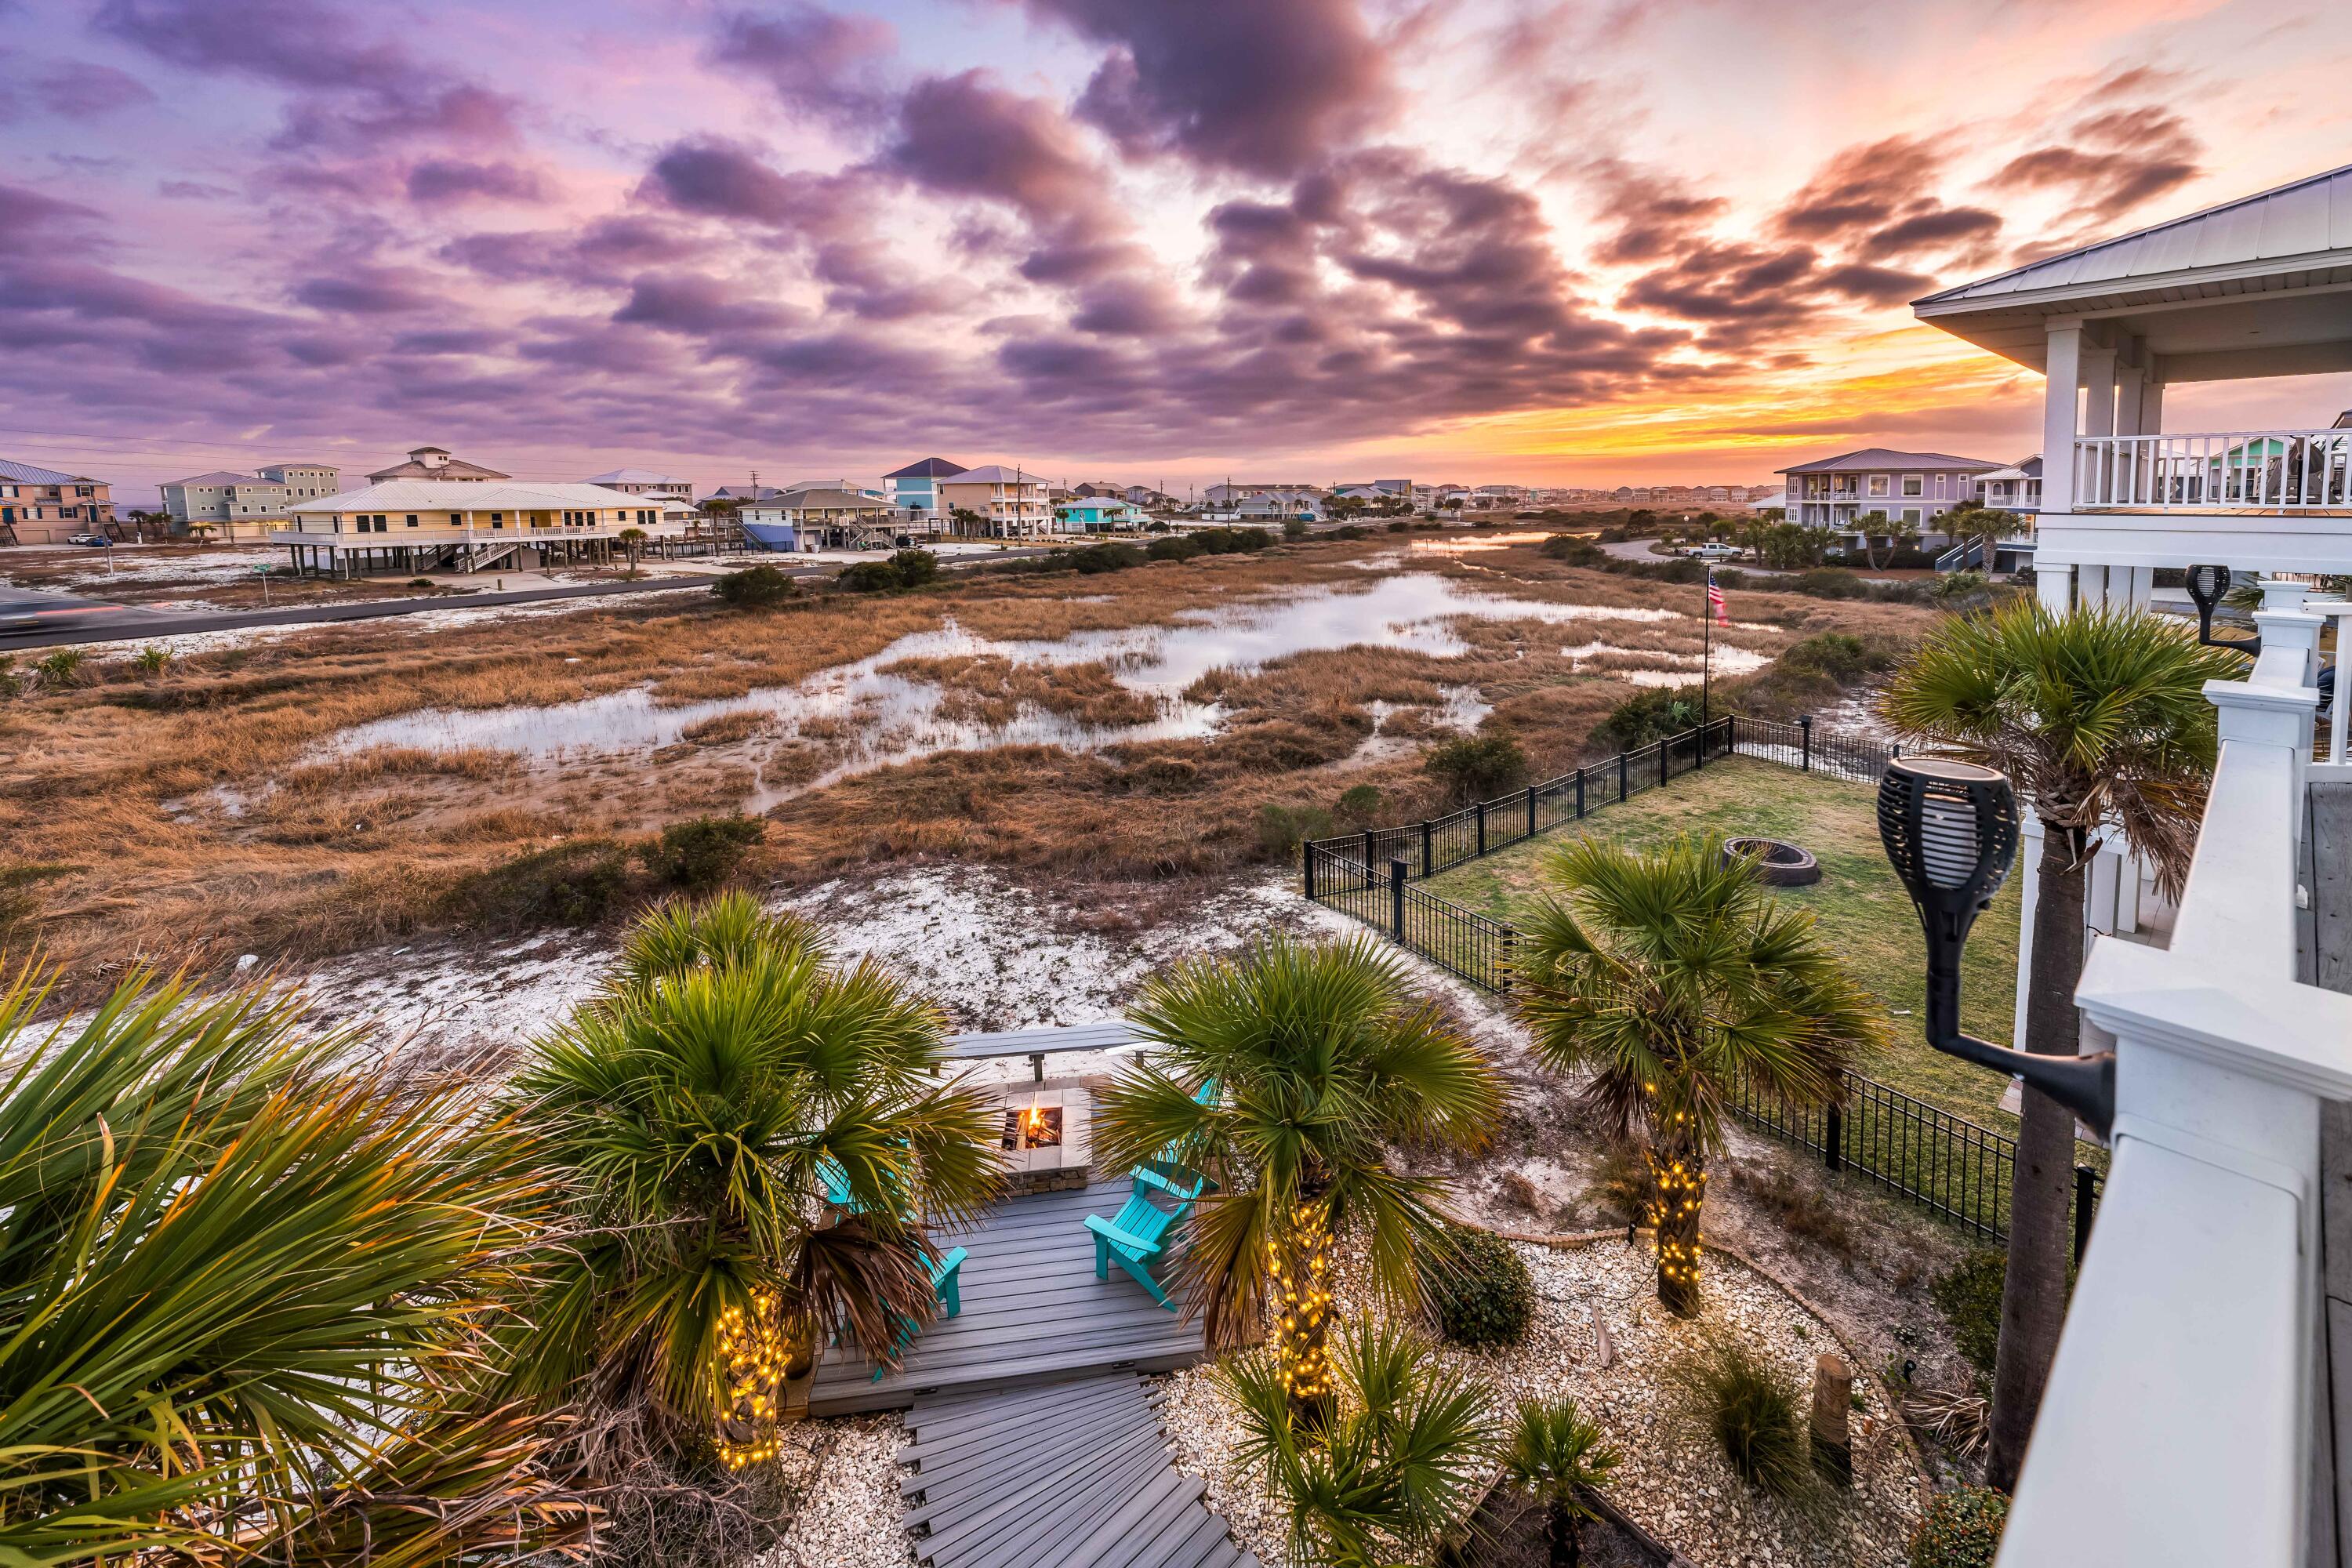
[{"x": 2198, "y": 1412}]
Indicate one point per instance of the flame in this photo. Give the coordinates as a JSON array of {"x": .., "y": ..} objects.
[{"x": 1032, "y": 1124}]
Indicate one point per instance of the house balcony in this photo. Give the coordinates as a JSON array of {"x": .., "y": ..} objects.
[{"x": 2259, "y": 472}]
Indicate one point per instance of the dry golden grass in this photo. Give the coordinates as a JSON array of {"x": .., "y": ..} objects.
[
  {"x": 129, "y": 779},
  {"x": 988, "y": 689}
]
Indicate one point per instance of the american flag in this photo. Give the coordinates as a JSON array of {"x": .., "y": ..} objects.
[{"x": 1714, "y": 605}]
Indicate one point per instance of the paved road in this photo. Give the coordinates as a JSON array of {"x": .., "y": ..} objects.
[{"x": 31, "y": 620}]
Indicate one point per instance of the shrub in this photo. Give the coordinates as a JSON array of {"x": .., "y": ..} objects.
[
  {"x": 916, "y": 567},
  {"x": 702, "y": 851},
  {"x": 1475, "y": 767},
  {"x": 1296, "y": 528},
  {"x": 1359, "y": 806},
  {"x": 1174, "y": 547},
  {"x": 754, "y": 588},
  {"x": 1622, "y": 1185},
  {"x": 152, "y": 660},
  {"x": 1097, "y": 559},
  {"x": 1652, "y": 714},
  {"x": 579, "y": 883},
  {"x": 1351, "y": 531},
  {"x": 1969, "y": 1297},
  {"x": 1399, "y": 526},
  {"x": 1576, "y": 551},
  {"x": 1829, "y": 582},
  {"x": 1480, "y": 1290},
  {"x": 420, "y": 582},
  {"x": 1232, "y": 540},
  {"x": 10, "y": 685},
  {"x": 1757, "y": 1416},
  {"x": 870, "y": 577},
  {"x": 1282, "y": 829},
  {"x": 60, "y": 668},
  {"x": 1961, "y": 1529}
]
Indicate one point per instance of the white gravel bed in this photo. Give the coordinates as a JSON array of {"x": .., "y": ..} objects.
[
  {"x": 1673, "y": 1482},
  {"x": 847, "y": 1471}
]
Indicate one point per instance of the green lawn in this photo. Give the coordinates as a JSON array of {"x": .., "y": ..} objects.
[{"x": 1863, "y": 911}]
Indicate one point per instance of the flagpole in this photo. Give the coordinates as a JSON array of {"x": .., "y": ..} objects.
[{"x": 1706, "y": 659}]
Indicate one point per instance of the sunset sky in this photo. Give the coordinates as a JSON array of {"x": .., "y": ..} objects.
[{"x": 1148, "y": 241}]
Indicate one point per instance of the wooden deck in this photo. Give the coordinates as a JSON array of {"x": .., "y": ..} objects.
[{"x": 1032, "y": 1312}]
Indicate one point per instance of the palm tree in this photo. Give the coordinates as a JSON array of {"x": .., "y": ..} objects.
[
  {"x": 632, "y": 540},
  {"x": 2099, "y": 717},
  {"x": 1397, "y": 1465},
  {"x": 1557, "y": 1456},
  {"x": 1284, "y": 1073},
  {"x": 1672, "y": 978},
  {"x": 248, "y": 1284},
  {"x": 697, "y": 1115}
]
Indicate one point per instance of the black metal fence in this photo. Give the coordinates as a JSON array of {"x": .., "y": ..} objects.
[{"x": 1945, "y": 1163}]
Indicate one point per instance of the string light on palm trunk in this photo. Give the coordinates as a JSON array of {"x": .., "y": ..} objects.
[
  {"x": 749, "y": 1358},
  {"x": 1298, "y": 1267}
]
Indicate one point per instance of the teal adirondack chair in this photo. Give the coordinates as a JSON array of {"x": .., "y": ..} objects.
[
  {"x": 1136, "y": 1237},
  {"x": 947, "y": 1272}
]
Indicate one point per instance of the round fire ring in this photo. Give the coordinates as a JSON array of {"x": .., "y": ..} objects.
[{"x": 1778, "y": 864}]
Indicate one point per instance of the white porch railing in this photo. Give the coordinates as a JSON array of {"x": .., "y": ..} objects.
[
  {"x": 2259, "y": 470},
  {"x": 2178, "y": 1420}
]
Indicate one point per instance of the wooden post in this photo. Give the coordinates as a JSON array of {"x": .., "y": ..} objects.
[
  {"x": 1832, "y": 1418},
  {"x": 2086, "y": 1200}
]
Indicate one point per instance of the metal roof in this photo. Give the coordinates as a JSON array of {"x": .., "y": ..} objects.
[
  {"x": 2308, "y": 217},
  {"x": 466, "y": 495},
  {"x": 632, "y": 477},
  {"x": 2264, "y": 274},
  {"x": 994, "y": 474},
  {"x": 217, "y": 477},
  {"x": 1882, "y": 459},
  {"x": 26, "y": 474}
]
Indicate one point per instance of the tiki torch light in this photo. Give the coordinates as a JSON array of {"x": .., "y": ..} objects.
[{"x": 1950, "y": 830}]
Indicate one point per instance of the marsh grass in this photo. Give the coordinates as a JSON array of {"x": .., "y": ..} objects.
[{"x": 116, "y": 775}]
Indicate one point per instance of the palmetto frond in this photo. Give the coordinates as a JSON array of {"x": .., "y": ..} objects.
[
  {"x": 1398, "y": 1466},
  {"x": 1285, "y": 1073},
  {"x": 2096, "y": 715},
  {"x": 1557, "y": 1455},
  {"x": 1666, "y": 977},
  {"x": 242, "y": 1266}
]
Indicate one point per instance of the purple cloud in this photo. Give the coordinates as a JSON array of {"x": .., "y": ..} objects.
[{"x": 1266, "y": 89}]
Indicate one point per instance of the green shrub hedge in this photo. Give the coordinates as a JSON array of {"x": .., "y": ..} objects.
[
  {"x": 1480, "y": 1289},
  {"x": 1962, "y": 1529}
]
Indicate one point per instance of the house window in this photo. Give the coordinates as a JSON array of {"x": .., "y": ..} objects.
[
  {"x": 412, "y": 520},
  {"x": 1939, "y": 484},
  {"x": 456, "y": 519},
  {"x": 1914, "y": 485},
  {"x": 1911, "y": 515},
  {"x": 1878, "y": 484},
  {"x": 497, "y": 520}
]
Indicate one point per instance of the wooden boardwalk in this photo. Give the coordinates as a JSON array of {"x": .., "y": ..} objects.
[
  {"x": 1032, "y": 1312},
  {"x": 1066, "y": 1474}
]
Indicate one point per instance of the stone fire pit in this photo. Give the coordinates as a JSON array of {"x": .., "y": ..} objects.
[
  {"x": 1045, "y": 1143},
  {"x": 1778, "y": 864}
]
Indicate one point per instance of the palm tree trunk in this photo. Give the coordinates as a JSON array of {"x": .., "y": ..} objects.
[
  {"x": 1302, "y": 1299},
  {"x": 1559, "y": 1535},
  {"x": 2034, "y": 1293},
  {"x": 1678, "y": 1174}
]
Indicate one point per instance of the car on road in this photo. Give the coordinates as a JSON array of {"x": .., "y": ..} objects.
[
  {"x": 97, "y": 541},
  {"x": 1717, "y": 552}
]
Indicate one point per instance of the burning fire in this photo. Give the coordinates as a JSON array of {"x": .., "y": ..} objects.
[{"x": 1033, "y": 1125}]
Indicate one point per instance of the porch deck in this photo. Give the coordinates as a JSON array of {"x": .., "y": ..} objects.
[{"x": 1032, "y": 1312}]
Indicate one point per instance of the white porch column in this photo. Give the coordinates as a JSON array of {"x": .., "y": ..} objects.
[{"x": 2060, "y": 396}]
